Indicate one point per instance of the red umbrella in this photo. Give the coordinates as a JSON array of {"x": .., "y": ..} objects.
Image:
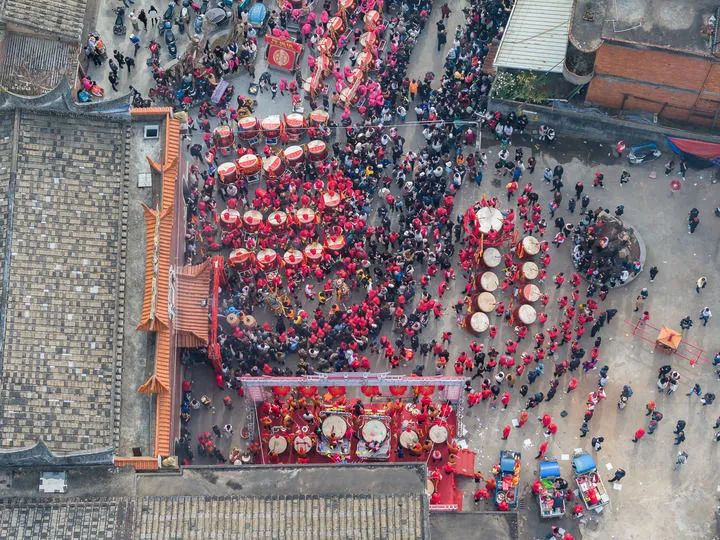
[
  {"x": 398, "y": 390},
  {"x": 281, "y": 391},
  {"x": 308, "y": 391},
  {"x": 370, "y": 391},
  {"x": 336, "y": 391},
  {"x": 425, "y": 390}
]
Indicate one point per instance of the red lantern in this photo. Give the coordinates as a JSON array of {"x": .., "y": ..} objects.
[
  {"x": 281, "y": 391},
  {"x": 336, "y": 391},
  {"x": 424, "y": 390},
  {"x": 370, "y": 391},
  {"x": 308, "y": 391},
  {"x": 398, "y": 390}
]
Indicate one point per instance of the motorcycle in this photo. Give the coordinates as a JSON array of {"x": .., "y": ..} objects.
[
  {"x": 170, "y": 42},
  {"x": 154, "y": 53},
  {"x": 119, "y": 27}
]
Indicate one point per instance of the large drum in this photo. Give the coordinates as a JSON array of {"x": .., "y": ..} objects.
[
  {"x": 273, "y": 167},
  {"x": 489, "y": 281},
  {"x": 293, "y": 257},
  {"x": 336, "y": 26},
  {"x": 317, "y": 150},
  {"x": 331, "y": 199},
  {"x": 526, "y": 314},
  {"x": 530, "y": 293},
  {"x": 319, "y": 117},
  {"x": 529, "y": 271},
  {"x": 334, "y": 425},
  {"x": 485, "y": 302},
  {"x": 248, "y": 167},
  {"x": 267, "y": 259},
  {"x": 335, "y": 242},
  {"x": 477, "y": 323},
  {"x": 241, "y": 258},
  {"x": 374, "y": 431},
  {"x": 530, "y": 246},
  {"x": 227, "y": 172},
  {"x": 277, "y": 219},
  {"x": 294, "y": 155},
  {"x": 252, "y": 220},
  {"x": 230, "y": 218},
  {"x": 294, "y": 126},
  {"x": 223, "y": 137},
  {"x": 305, "y": 217},
  {"x": 368, "y": 40},
  {"x": 489, "y": 219},
  {"x": 326, "y": 46},
  {"x": 491, "y": 257},
  {"x": 271, "y": 129},
  {"x": 371, "y": 20},
  {"x": 346, "y": 5},
  {"x": 314, "y": 252},
  {"x": 365, "y": 60},
  {"x": 248, "y": 129}
]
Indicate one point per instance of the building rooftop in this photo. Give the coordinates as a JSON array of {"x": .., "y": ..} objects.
[
  {"x": 63, "y": 189},
  {"x": 254, "y": 503},
  {"x": 63, "y": 18},
  {"x": 670, "y": 24}
]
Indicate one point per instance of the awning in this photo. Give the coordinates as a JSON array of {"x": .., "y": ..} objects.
[
  {"x": 193, "y": 289},
  {"x": 701, "y": 150},
  {"x": 536, "y": 36}
]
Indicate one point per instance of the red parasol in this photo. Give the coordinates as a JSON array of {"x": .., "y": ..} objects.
[
  {"x": 370, "y": 391},
  {"x": 398, "y": 390},
  {"x": 281, "y": 391},
  {"x": 308, "y": 391},
  {"x": 336, "y": 391}
]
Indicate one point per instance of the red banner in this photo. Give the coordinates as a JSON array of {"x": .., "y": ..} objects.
[{"x": 282, "y": 53}]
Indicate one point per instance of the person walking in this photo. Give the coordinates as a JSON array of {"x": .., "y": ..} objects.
[
  {"x": 686, "y": 323},
  {"x": 681, "y": 460},
  {"x": 441, "y": 38},
  {"x": 130, "y": 63},
  {"x": 142, "y": 17},
  {"x": 650, "y": 406},
  {"x": 695, "y": 390},
  {"x": 639, "y": 434},
  {"x": 653, "y": 273},
  {"x": 542, "y": 449},
  {"x": 619, "y": 475},
  {"x": 669, "y": 166},
  {"x": 700, "y": 284},
  {"x": 680, "y": 437},
  {"x": 707, "y": 399},
  {"x": 693, "y": 220},
  {"x": 506, "y": 432},
  {"x": 624, "y": 178},
  {"x": 639, "y": 301},
  {"x": 597, "y": 443},
  {"x": 153, "y": 12},
  {"x": 679, "y": 426},
  {"x": 113, "y": 80},
  {"x": 705, "y": 315},
  {"x": 683, "y": 169},
  {"x": 584, "y": 428}
]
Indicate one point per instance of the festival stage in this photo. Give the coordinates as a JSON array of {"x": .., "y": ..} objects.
[{"x": 307, "y": 424}]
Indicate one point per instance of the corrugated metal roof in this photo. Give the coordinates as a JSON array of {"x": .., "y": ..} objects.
[{"x": 536, "y": 36}]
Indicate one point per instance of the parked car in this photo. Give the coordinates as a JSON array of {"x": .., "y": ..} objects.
[{"x": 642, "y": 153}]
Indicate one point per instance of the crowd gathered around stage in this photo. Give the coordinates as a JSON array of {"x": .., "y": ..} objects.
[{"x": 374, "y": 289}]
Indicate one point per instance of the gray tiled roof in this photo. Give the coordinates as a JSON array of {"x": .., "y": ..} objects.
[
  {"x": 6, "y": 130},
  {"x": 59, "y": 17},
  {"x": 66, "y": 283},
  {"x": 377, "y": 517}
]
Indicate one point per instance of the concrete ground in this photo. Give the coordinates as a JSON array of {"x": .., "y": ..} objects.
[{"x": 678, "y": 504}]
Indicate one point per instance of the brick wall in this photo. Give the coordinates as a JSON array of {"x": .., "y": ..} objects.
[{"x": 648, "y": 79}]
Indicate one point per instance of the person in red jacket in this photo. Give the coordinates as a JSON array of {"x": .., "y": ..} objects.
[
  {"x": 524, "y": 415},
  {"x": 572, "y": 385},
  {"x": 505, "y": 399},
  {"x": 559, "y": 280},
  {"x": 506, "y": 432},
  {"x": 542, "y": 449},
  {"x": 546, "y": 420},
  {"x": 552, "y": 429},
  {"x": 639, "y": 434}
]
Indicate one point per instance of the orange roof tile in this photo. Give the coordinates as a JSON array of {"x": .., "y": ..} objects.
[
  {"x": 193, "y": 287},
  {"x": 142, "y": 463}
]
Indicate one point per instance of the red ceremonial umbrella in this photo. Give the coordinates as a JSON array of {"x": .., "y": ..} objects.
[
  {"x": 398, "y": 390},
  {"x": 370, "y": 391},
  {"x": 308, "y": 391},
  {"x": 281, "y": 391},
  {"x": 336, "y": 391}
]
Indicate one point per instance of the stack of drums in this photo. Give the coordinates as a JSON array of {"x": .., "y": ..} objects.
[
  {"x": 317, "y": 150},
  {"x": 294, "y": 125},
  {"x": 248, "y": 167},
  {"x": 248, "y": 129},
  {"x": 529, "y": 271},
  {"x": 273, "y": 167},
  {"x": 319, "y": 117},
  {"x": 489, "y": 282},
  {"x": 484, "y": 302},
  {"x": 271, "y": 129},
  {"x": 230, "y": 218},
  {"x": 491, "y": 258},
  {"x": 477, "y": 323},
  {"x": 223, "y": 137}
]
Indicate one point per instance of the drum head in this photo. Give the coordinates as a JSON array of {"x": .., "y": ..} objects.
[
  {"x": 486, "y": 302},
  {"x": 491, "y": 257},
  {"x": 334, "y": 425},
  {"x": 530, "y": 270},
  {"x": 374, "y": 431},
  {"x": 527, "y": 314},
  {"x": 531, "y": 292},
  {"x": 531, "y": 245},
  {"x": 489, "y": 281},
  {"x": 438, "y": 434},
  {"x": 479, "y": 322}
]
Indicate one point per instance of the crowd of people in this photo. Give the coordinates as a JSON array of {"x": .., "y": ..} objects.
[{"x": 368, "y": 305}]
